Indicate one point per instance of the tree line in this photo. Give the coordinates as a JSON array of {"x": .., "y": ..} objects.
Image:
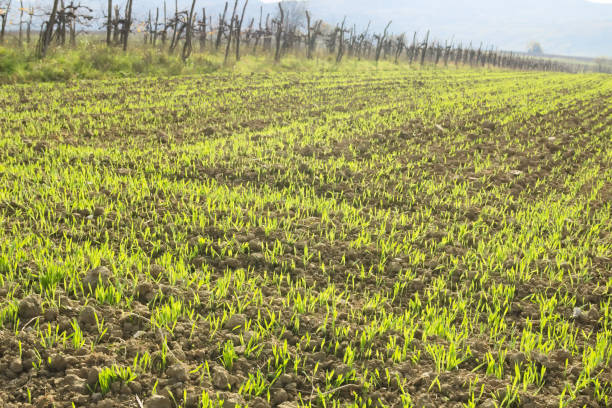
[{"x": 291, "y": 29}]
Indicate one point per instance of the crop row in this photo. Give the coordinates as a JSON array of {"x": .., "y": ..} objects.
[{"x": 418, "y": 238}]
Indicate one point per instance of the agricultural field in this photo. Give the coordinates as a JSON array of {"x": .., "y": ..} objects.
[{"x": 416, "y": 238}]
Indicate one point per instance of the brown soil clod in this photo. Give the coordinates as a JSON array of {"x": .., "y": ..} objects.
[
  {"x": 93, "y": 277},
  {"x": 158, "y": 401},
  {"x": 235, "y": 322},
  {"x": 30, "y": 308},
  {"x": 87, "y": 316},
  {"x": 220, "y": 378},
  {"x": 177, "y": 373},
  {"x": 58, "y": 362}
]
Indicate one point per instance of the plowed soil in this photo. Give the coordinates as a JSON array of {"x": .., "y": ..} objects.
[{"x": 430, "y": 239}]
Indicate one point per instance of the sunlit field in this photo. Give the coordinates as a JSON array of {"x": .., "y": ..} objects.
[{"x": 416, "y": 238}]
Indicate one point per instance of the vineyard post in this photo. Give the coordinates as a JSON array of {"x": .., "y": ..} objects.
[
  {"x": 231, "y": 30},
  {"x": 61, "y": 38},
  {"x": 413, "y": 47},
  {"x": 341, "y": 43},
  {"x": 72, "y": 22},
  {"x": 400, "y": 47},
  {"x": 387, "y": 45},
  {"x": 175, "y": 24},
  {"x": 438, "y": 53},
  {"x": 128, "y": 23},
  {"x": 187, "y": 48},
  {"x": 203, "y": 30},
  {"x": 109, "y": 19},
  {"x": 331, "y": 41},
  {"x": 221, "y": 27},
  {"x": 308, "y": 36},
  {"x": 447, "y": 52},
  {"x": 313, "y": 32},
  {"x": 458, "y": 54},
  {"x": 279, "y": 33},
  {"x": 486, "y": 56},
  {"x": 381, "y": 40},
  {"x": 156, "y": 26},
  {"x": 239, "y": 30},
  {"x": 353, "y": 40},
  {"x": 478, "y": 54},
  {"x": 165, "y": 32},
  {"x": 425, "y": 45},
  {"x": 468, "y": 55},
  {"x": 178, "y": 31},
  {"x": 21, "y": 10},
  {"x": 363, "y": 38},
  {"x": 210, "y": 27},
  {"x": 70, "y": 18},
  {"x": 46, "y": 32},
  {"x": 4, "y": 16}
]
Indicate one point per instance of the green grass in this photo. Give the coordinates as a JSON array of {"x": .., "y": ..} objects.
[
  {"x": 408, "y": 237},
  {"x": 93, "y": 60}
]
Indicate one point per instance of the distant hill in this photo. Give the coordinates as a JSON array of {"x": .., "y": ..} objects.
[{"x": 567, "y": 27}]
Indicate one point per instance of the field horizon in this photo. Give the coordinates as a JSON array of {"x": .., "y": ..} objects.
[{"x": 91, "y": 59}]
